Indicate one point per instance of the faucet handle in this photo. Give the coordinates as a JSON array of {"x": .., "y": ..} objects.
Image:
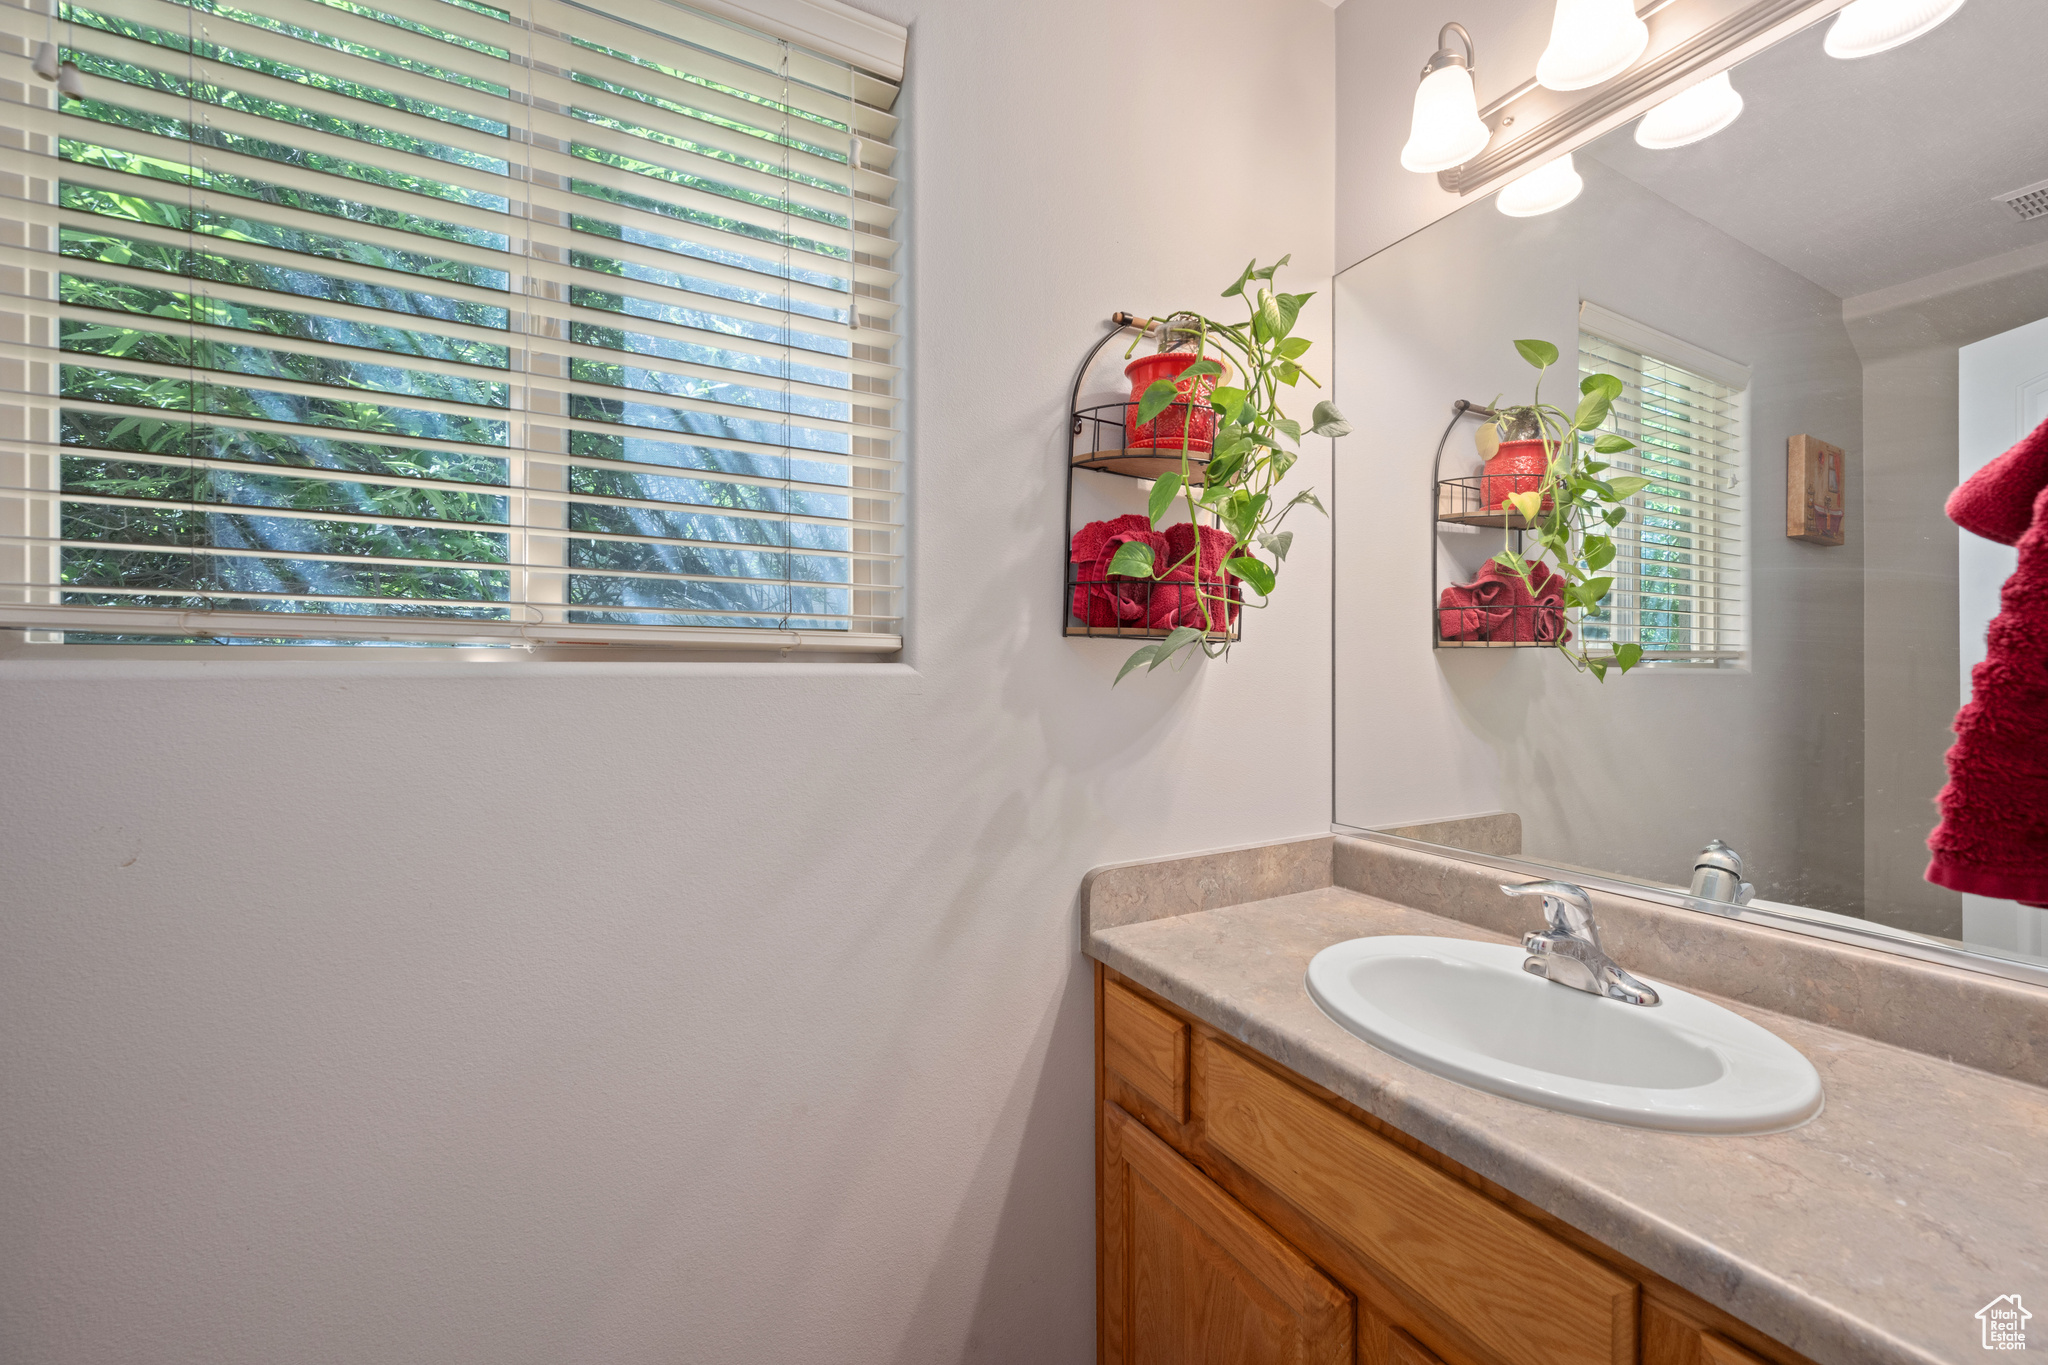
[{"x": 1567, "y": 909}]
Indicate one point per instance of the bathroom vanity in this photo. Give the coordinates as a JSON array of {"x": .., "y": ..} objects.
[{"x": 1272, "y": 1188}]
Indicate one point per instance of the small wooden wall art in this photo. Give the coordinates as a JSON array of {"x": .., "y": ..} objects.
[{"x": 1816, "y": 490}]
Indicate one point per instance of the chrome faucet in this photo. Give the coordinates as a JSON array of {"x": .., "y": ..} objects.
[
  {"x": 1568, "y": 952},
  {"x": 1717, "y": 875}
]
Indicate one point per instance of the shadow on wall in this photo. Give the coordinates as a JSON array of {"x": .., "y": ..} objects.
[{"x": 1033, "y": 1181}]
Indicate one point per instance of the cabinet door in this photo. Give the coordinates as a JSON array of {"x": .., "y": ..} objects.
[{"x": 1188, "y": 1277}]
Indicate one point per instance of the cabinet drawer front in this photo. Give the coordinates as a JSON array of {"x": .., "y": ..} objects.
[
  {"x": 1147, "y": 1048},
  {"x": 1521, "y": 1294}
]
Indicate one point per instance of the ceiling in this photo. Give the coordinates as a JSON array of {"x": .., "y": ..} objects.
[{"x": 1864, "y": 174}]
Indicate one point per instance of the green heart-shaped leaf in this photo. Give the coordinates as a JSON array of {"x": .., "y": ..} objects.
[
  {"x": 1164, "y": 490},
  {"x": 1158, "y": 396},
  {"x": 1541, "y": 354},
  {"x": 1254, "y": 572},
  {"x": 1133, "y": 559}
]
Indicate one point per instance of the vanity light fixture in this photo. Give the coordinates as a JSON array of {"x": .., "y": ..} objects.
[
  {"x": 1696, "y": 112},
  {"x": 1590, "y": 41},
  {"x": 1868, "y": 27},
  {"x": 1446, "y": 131},
  {"x": 1550, "y": 186}
]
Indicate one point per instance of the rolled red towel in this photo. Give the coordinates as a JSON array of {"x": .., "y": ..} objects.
[
  {"x": 1497, "y": 605},
  {"x": 1099, "y": 598},
  {"x": 1175, "y": 599},
  {"x": 1997, "y": 502},
  {"x": 1993, "y": 835},
  {"x": 1472, "y": 611},
  {"x": 1544, "y": 616}
]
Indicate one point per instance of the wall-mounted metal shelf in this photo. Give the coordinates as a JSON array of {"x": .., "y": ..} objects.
[
  {"x": 1097, "y": 442},
  {"x": 1462, "y": 502}
]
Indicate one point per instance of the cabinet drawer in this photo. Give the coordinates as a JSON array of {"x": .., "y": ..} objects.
[
  {"x": 1147, "y": 1048},
  {"x": 1522, "y": 1295}
]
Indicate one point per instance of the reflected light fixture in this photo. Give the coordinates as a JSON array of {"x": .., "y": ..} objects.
[
  {"x": 1698, "y": 111},
  {"x": 1550, "y": 186},
  {"x": 1446, "y": 131},
  {"x": 1869, "y": 27},
  {"x": 1590, "y": 41}
]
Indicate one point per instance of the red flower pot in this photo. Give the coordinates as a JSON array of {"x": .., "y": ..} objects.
[
  {"x": 1517, "y": 467},
  {"x": 1196, "y": 422}
]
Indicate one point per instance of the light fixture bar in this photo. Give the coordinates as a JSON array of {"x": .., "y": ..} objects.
[{"x": 1690, "y": 40}]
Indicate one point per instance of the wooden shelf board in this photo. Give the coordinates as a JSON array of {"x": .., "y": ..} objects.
[
  {"x": 1130, "y": 633},
  {"x": 1512, "y": 521},
  {"x": 1143, "y": 464}
]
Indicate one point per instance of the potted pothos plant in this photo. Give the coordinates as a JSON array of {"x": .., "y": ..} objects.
[
  {"x": 1253, "y": 448},
  {"x": 1574, "y": 507}
]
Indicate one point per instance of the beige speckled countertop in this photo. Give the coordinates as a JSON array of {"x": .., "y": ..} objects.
[{"x": 1870, "y": 1236}]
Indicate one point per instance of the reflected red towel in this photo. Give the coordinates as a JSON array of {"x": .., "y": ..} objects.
[
  {"x": 1997, "y": 502},
  {"x": 1100, "y": 600},
  {"x": 1176, "y": 601},
  {"x": 1497, "y": 606},
  {"x": 1993, "y": 835}
]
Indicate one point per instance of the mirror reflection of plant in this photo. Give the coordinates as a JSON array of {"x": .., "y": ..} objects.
[
  {"x": 1247, "y": 459},
  {"x": 1575, "y": 535}
]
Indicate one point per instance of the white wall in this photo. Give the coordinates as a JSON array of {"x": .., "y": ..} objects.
[
  {"x": 1633, "y": 775},
  {"x": 378, "y": 1010}
]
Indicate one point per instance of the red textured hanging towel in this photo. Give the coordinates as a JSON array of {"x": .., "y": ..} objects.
[
  {"x": 1993, "y": 835},
  {"x": 1177, "y": 601},
  {"x": 1099, "y": 598},
  {"x": 1497, "y": 605}
]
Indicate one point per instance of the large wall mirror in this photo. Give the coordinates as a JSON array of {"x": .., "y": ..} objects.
[{"x": 1841, "y": 279}]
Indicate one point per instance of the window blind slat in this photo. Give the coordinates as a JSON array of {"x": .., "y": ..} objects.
[{"x": 524, "y": 321}]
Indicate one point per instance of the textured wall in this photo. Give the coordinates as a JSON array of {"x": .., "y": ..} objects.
[{"x": 362, "y": 1009}]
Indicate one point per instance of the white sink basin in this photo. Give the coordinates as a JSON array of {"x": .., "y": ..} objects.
[{"x": 1467, "y": 1011}]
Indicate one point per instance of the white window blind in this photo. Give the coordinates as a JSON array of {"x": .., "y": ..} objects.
[
  {"x": 1678, "y": 583},
  {"x": 347, "y": 320}
]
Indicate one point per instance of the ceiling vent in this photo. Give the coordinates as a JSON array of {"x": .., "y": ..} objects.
[{"x": 2029, "y": 203}]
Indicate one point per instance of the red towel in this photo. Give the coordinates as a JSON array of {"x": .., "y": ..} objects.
[
  {"x": 1997, "y": 502},
  {"x": 1496, "y": 606},
  {"x": 1100, "y": 600},
  {"x": 1176, "y": 601},
  {"x": 1993, "y": 835}
]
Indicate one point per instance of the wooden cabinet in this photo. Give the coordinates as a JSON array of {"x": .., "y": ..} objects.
[
  {"x": 1246, "y": 1215},
  {"x": 1188, "y": 1277}
]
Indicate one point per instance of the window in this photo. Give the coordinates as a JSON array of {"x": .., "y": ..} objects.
[
  {"x": 439, "y": 322},
  {"x": 1678, "y": 571}
]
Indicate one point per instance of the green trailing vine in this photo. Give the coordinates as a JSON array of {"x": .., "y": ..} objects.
[
  {"x": 1253, "y": 452},
  {"x": 1575, "y": 536}
]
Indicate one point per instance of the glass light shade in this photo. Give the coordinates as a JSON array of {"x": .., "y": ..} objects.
[
  {"x": 1868, "y": 27},
  {"x": 1590, "y": 41},
  {"x": 1699, "y": 111},
  {"x": 1550, "y": 186},
  {"x": 1447, "y": 131}
]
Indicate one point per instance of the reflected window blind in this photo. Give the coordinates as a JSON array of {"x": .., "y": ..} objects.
[
  {"x": 350, "y": 321},
  {"x": 1678, "y": 567}
]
